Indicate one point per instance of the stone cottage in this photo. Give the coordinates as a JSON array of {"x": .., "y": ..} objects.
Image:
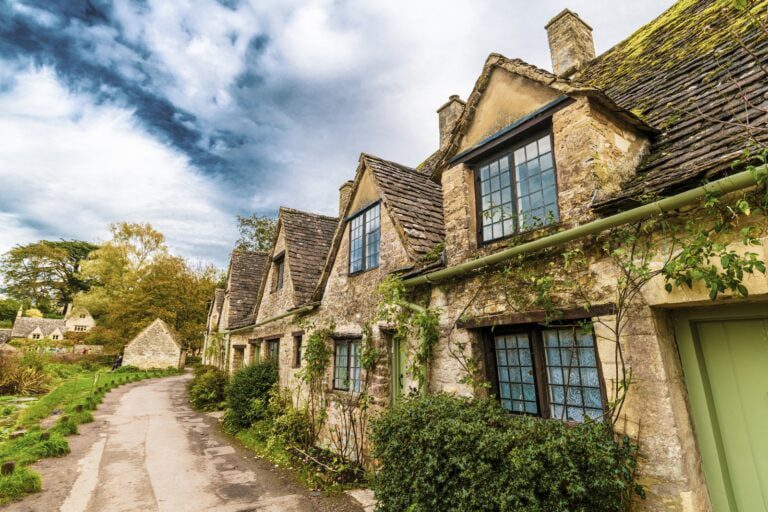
[
  {"x": 75, "y": 320},
  {"x": 211, "y": 351},
  {"x": 234, "y": 308},
  {"x": 155, "y": 347},
  {"x": 578, "y": 267}
]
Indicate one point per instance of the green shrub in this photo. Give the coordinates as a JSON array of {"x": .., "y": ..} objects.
[
  {"x": 207, "y": 389},
  {"x": 20, "y": 483},
  {"x": 128, "y": 369},
  {"x": 293, "y": 427},
  {"x": 452, "y": 454},
  {"x": 248, "y": 394}
]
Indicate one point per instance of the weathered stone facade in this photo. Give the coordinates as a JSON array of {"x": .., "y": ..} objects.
[
  {"x": 600, "y": 145},
  {"x": 154, "y": 347}
]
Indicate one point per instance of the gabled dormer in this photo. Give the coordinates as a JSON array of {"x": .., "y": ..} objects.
[
  {"x": 296, "y": 261},
  {"x": 529, "y": 150},
  {"x": 392, "y": 223},
  {"x": 244, "y": 277}
]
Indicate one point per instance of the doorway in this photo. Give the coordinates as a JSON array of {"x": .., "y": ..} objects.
[{"x": 724, "y": 354}]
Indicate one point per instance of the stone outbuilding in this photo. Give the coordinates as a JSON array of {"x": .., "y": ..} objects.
[{"x": 154, "y": 347}]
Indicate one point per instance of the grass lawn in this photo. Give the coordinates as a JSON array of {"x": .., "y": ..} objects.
[{"x": 75, "y": 396}]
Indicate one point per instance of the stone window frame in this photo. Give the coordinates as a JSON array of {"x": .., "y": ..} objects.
[
  {"x": 539, "y": 363},
  {"x": 352, "y": 380},
  {"x": 365, "y": 264},
  {"x": 81, "y": 328},
  {"x": 278, "y": 272},
  {"x": 508, "y": 149},
  {"x": 36, "y": 336}
]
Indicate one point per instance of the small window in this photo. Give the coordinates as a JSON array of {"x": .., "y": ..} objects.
[
  {"x": 297, "y": 350},
  {"x": 35, "y": 336},
  {"x": 82, "y": 316},
  {"x": 80, "y": 328},
  {"x": 255, "y": 354},
  {"x": 278, "y": 273},
  {"x": 273, "y": 351},
  {"x": 55, "y": 337},
  {"x": 548, "y": 371},
  {"x": 517, "y": 189},
  {"x": 346, "y": 365},
  {"x": 364, "y": 237}
]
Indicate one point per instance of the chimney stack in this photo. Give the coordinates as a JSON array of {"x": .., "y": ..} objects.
[
  {"x": 344, "y": 192},
  {"x": 570, "y": 43},
  {"x": 449, "y": 114}
]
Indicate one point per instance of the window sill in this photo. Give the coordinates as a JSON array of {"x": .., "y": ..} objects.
[{"x": 519, "y": 238}]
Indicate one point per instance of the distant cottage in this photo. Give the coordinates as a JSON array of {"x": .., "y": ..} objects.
[
  {"x": 76, "y": 320},
  {"x": 154, "y": 347}
]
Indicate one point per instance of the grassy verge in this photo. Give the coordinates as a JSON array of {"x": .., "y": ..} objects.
[
  {"x": 314, "y": 468},
  {"x": 75, "y": 397}
]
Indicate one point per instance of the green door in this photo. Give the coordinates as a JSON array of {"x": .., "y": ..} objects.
[{"x": 725, "y": 360}]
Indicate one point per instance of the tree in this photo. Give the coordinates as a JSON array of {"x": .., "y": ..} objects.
[
  {"x": 33, "y": 313},
  {"x": 45, "y": 274},
  {"x": 256, "y": 232},
  {"x": 137, "y": 280},
  {"x": 8, "y": 310}
]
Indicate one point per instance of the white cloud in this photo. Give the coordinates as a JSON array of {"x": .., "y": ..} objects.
[{"x": 70, "y": 168}]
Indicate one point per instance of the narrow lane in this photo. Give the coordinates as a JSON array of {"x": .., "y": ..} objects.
[{"x": 149, "y": 451}]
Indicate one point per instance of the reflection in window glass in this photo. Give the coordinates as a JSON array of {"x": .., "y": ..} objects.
[{"x": 364, "y": 238}]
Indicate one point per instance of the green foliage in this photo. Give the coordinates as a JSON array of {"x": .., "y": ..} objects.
[
  {"x": 256, "y": 232},
  {"x": 451, "y": 454},
  {"x": 23, "y": 375},
  {"x": 136, "y": 280},
  {"x": 248, "y": 394},
  {"x": 207, "y": 388},
  {"x": 410, "y": 319},
  {"x": 8, "y": 310},
  {"x": 21, "y": 482},
  {"x": 317, "y": 356},
  {"x": 45, "y": 274}
]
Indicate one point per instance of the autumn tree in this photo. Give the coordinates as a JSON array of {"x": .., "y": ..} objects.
[
  {"x": 135, "y": 280},
  {"x": 256, "y": 232},
  {"x": 45, "y": 274}
]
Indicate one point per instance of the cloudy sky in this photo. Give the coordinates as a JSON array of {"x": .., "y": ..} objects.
[{"x": 185, "y": 113}]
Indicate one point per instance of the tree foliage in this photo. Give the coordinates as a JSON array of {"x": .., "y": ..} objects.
[
  {"x": 135, "y": 280},
  {"x": 256, "y": 232},
  {"x": 45, "y": 274}
]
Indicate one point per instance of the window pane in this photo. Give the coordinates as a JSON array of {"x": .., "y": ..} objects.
[
  {"x": 574, "y": 385},
  {"x": 356, "y": 244},
  {"x": 354, "y": 366},
  {"x": 497, "y": 205},
  {"x": 340, "y": 366},
  {"x": 537, "y": 197},
  {"x": 515, "y": 373}
]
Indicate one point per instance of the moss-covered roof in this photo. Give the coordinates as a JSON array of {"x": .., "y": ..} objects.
[{"x": 698, "y": 74}]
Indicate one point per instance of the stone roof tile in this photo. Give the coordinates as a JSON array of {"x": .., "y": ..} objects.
[
  {"x": 694, "y": 73},
  {"x": 246, "y": 271},
  {"x": 414, "y": 200},
  {"x": 23, "y": 327},
  {"x": 308, "y": 238}
]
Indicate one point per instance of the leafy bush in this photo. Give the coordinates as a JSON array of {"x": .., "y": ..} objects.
[
  {"x": 23, "y": 375},
  {"x": 248, "y": 394},
  {"x": 446, "y": 453},
  {"x": 207, "y": 389}
]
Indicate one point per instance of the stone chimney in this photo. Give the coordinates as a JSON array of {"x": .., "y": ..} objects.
[
  {"x": 570, "y": 43},
  {"x": 344, "y": 192},
  {"x": 449, "y": 113}
]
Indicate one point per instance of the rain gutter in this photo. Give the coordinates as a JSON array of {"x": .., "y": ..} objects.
[{"x": 722, "y": 186}]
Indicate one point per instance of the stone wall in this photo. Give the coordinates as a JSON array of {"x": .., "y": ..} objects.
[{"x": 154, "y": 347}]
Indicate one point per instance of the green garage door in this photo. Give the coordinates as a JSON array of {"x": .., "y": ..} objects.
[{"x": 725, "y": 360}]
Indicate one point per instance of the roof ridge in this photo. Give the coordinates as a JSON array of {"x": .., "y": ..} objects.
[
  {"x": 304, "y": 212},
  {"x": 368, "y": 156}
]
